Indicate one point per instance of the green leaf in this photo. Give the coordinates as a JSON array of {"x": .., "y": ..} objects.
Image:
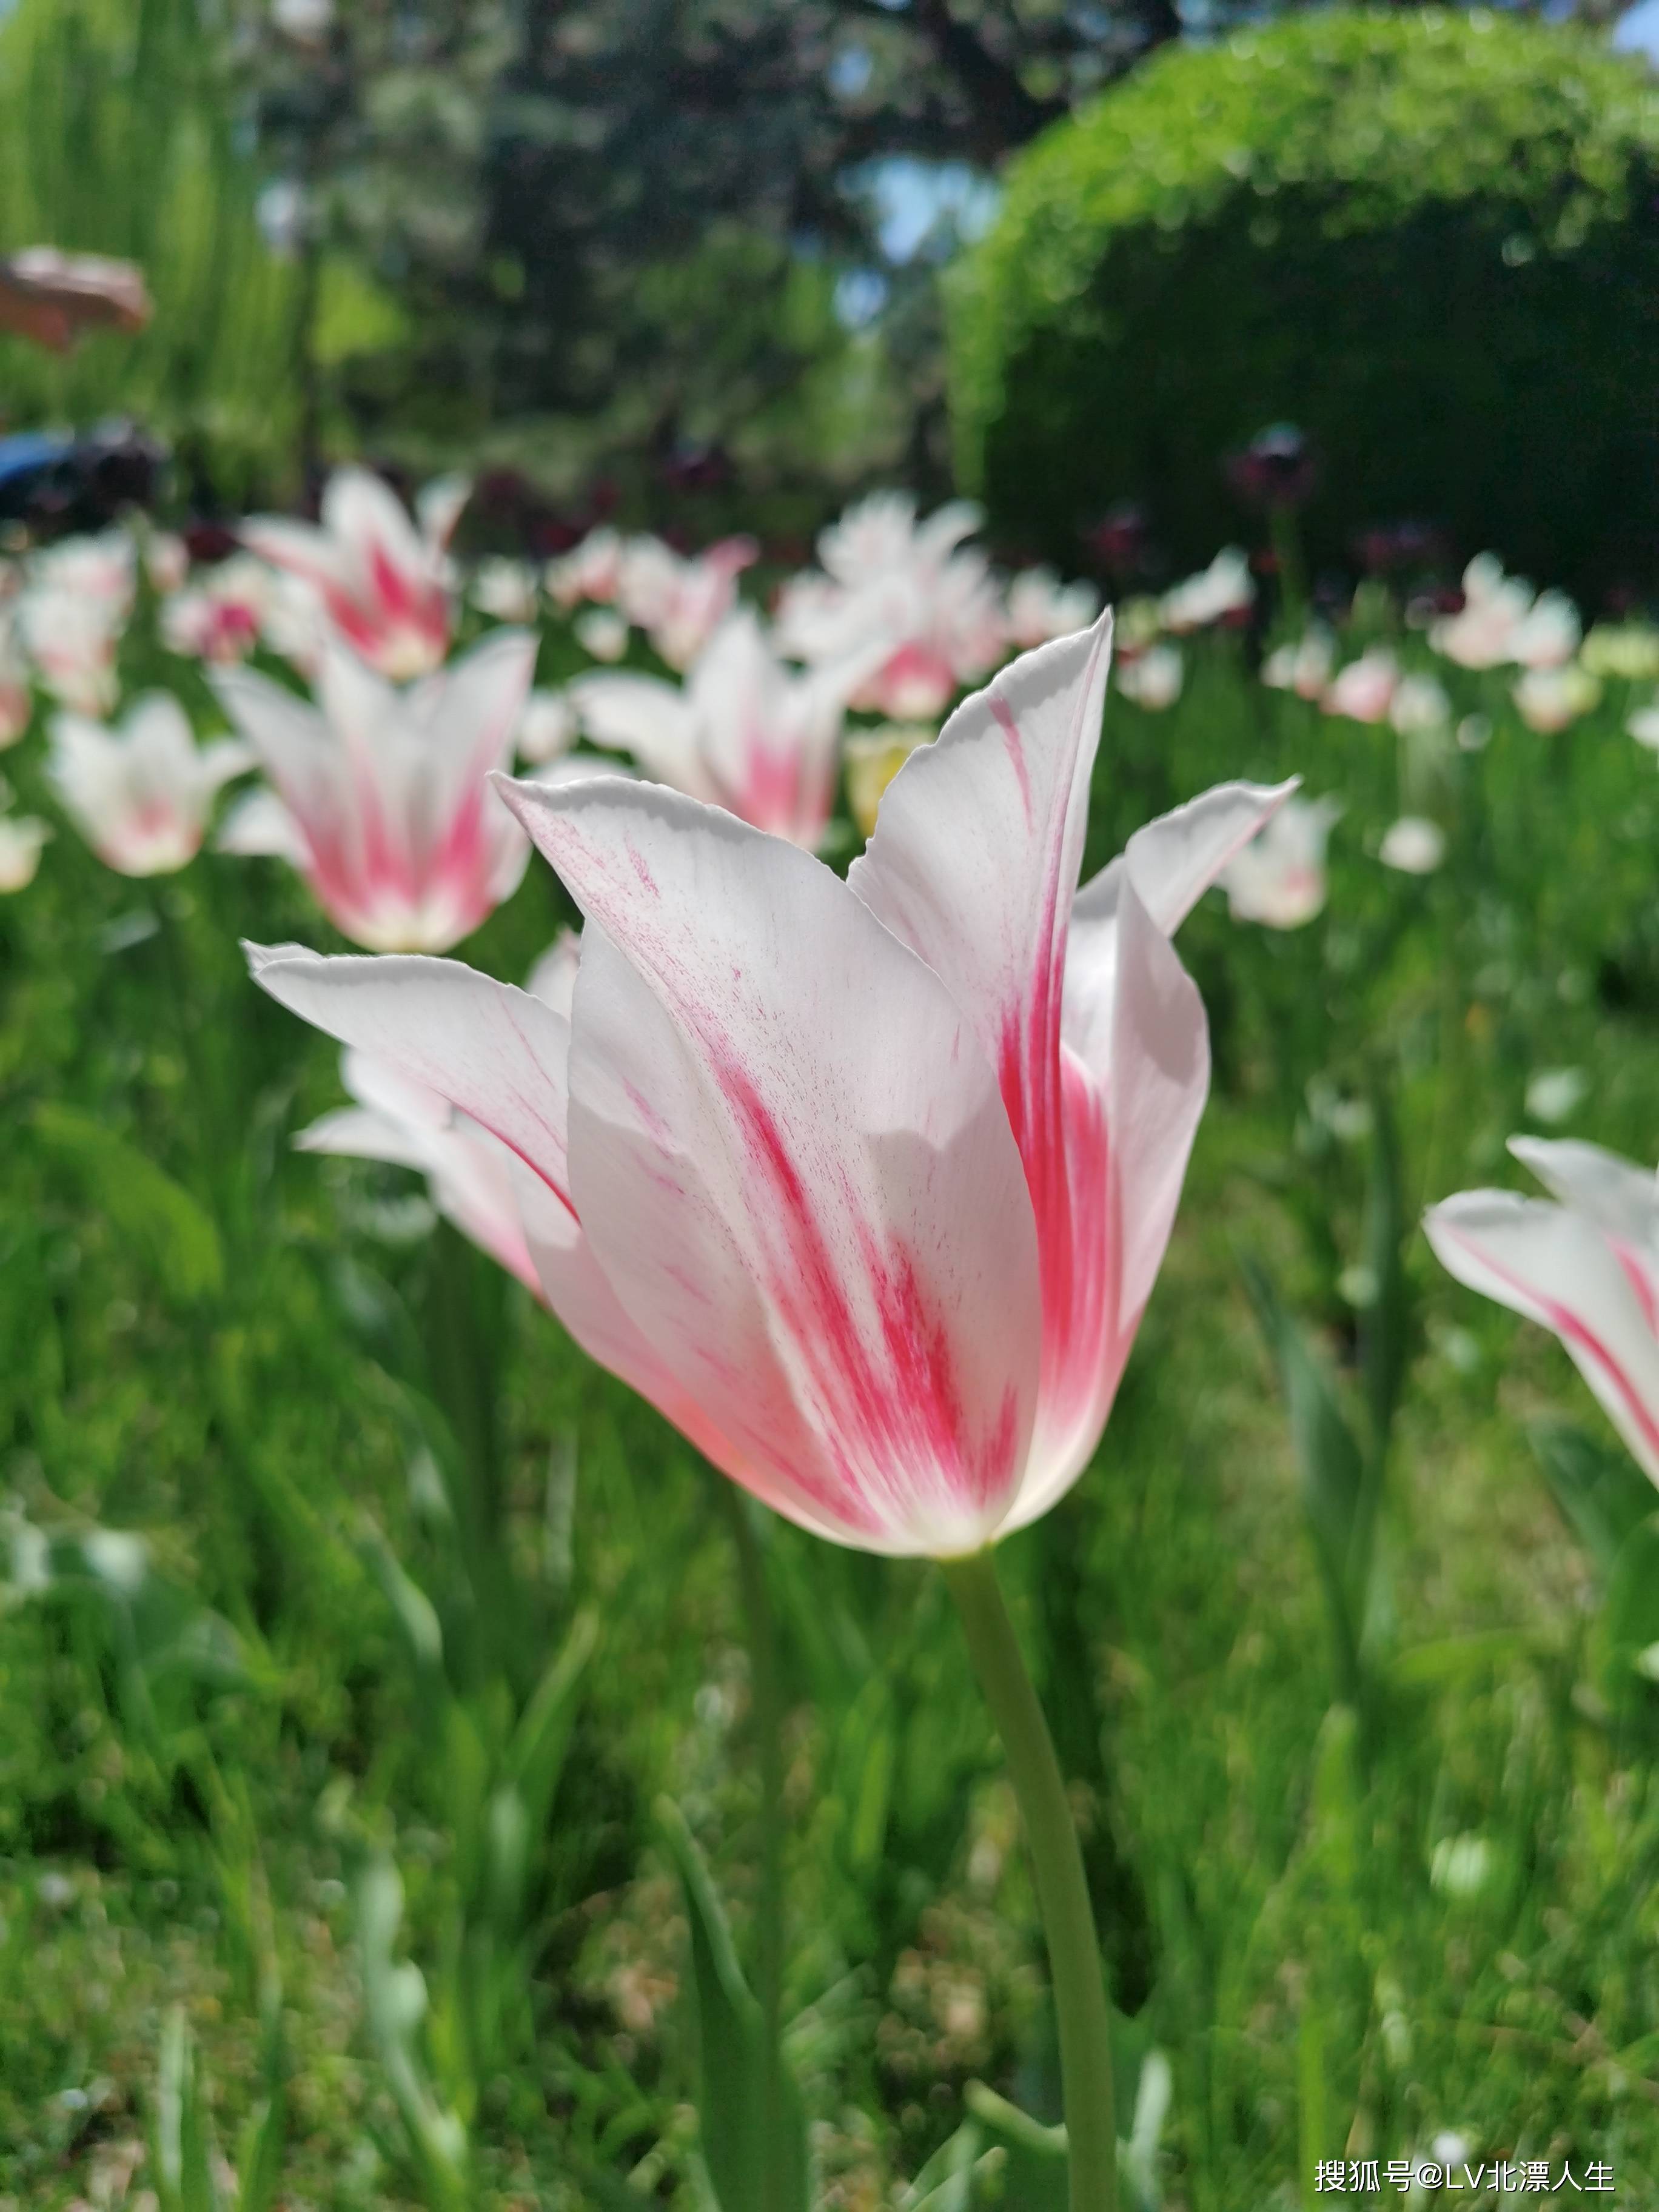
[
  {"x": 395, "y": 2001},
  {"x": 1037, "y": 2176},
  {"x": 730, "y": 2042},
  {"x": 1329, "y": 1461},
  {"x": 1599, "y": 1491},
  {"x": 139, "y": 1200},
  {"x": 536, "y": 1754},
  {"x": 413, "y": 1610},
  {"x": 1629, "y": 1628},
  {"x": 1386, "y": 1324},
  {"x": 181, "y": 2145}
]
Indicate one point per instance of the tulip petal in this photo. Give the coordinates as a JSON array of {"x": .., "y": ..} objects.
[
  {"x": 1134, "y": 1094},
  {"x": 1556, "y": 1267},
  {"x": 1173, "y": 861},
  {"x": 494, "y": 1053},
  {"x": 357, "y": 1132},
  {"x": 652, "y": 720},
  {"x": 1621, "y": 1198},
  {"x": 793, "y": 1166},
  {"x": 259, "y": 825}
]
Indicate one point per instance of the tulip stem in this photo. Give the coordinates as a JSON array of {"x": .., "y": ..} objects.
[
  {"x": 1074, "y": 1961},
  {"x": 766, "y": 1689}
]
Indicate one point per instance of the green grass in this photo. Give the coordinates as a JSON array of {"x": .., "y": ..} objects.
[{"x": 306, "y": 1404}]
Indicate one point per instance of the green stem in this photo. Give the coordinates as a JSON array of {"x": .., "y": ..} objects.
[
  {"x": 1074, "y": 1961},
  {"x": 767, "y": 1691}
]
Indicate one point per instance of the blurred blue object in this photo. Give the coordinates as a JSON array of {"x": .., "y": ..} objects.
[
  {"x": 29, "y": 453},
  {"x": 52, "y": 480}
]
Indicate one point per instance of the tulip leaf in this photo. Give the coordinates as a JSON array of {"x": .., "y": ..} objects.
[
  {"x": 1601, "y": 1493},
  {"x": 536, "y": 1751},
  {"x": 729, "y": 2038},
  {"x": 1036, "y": 2174},
  {"x": 395, "y": 2001},
  {"x": 1630, "y": 1618},
  {"x": 1386, "y": 1322},
  {"x": 1329, "y": 1461},
  {"x": 139, "y": 1200}
]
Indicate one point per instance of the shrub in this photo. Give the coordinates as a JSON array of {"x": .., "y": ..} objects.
[{"x": 1431, "y": 240}]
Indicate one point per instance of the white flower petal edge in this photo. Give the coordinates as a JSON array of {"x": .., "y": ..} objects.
[{"x": 1556, "y": 1266}]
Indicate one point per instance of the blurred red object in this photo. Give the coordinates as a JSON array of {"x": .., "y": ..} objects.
[{"x": 52, "y": 297}]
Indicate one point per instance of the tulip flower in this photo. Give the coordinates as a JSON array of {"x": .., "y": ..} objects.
[
  {"x": 1501, "y": 623},
  {"x": 1279, "y": 878},
  {"x": 547, "y": 726},
  {"x": 166, "y": 560},
  {"x": 1152, "y": 679},
  {"x": 16, "y": 700},
  {"x": 1547, "y": 635},
  {"x": 591, "y": 571},
  {"x": 743, "y": 733},
  {"x": 1365, "y": 689},
  {"x": 72, "y": 644},
  {"x": 506, "y": 590},
  {"x": 1414, "y": 846},
  {"x": 908, "y": 1363},
  {"x": 1226, "y": 588},
  {"x": 603, "y": 632},
  {"x": 1420, "y": 707},
  {"x": 680, "y": 603},
  {"x": 914, "y": 589},
  {"x": 220, "y": 618},
  {"x": 100, "y": 570},
  {"x": 1303, "y": 665},
  {"x": 1550, "y": 700},
  {"x": 1584, "y": 1266},
  {"x": 21, "y": 838},
  {"x": 380, "y": 796},
  {"x": 1628, "y": 651},
  {"x": 1041, "y": 608},
  {"x": 871, "y": 759},
  {"x": 865, "y": 1184},
  {"x": 382, "y": 581},
  {"x": 141, "y": 795}
]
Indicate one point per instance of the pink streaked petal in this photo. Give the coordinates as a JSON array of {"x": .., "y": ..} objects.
[
  {"x": 495, "y": 1053},
  {"x": 1554, "y": 1266},
  {"x": 1621, "y": 1198},
  {"x": 974, "y": 866},
  {"x": 298, "y": 549},
  {"x": 793, "y": 1165},
  {"x": 1132, "y": 1112},
  {"x": 363, "y": 514},
  {"x": 1171, "y": 862},
  {"x": 580, "y": 1293}
]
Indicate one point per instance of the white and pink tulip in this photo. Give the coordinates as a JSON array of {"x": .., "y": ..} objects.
[
  {"x": 864, "y": 1184},
  {"x": 141, "y": 795},
  {"x": 380, "y": 798},
  {"x": 383, "y": 581}
]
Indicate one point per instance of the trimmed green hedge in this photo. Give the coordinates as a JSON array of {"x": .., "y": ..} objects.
[{"x": 1431, "y": 240}]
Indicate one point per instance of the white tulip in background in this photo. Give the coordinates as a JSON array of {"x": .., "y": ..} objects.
[
  {"x": 141, "y": 795},
  {"x": 1279, "y": 878},
  {"x": 1414, "y": 846}
]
